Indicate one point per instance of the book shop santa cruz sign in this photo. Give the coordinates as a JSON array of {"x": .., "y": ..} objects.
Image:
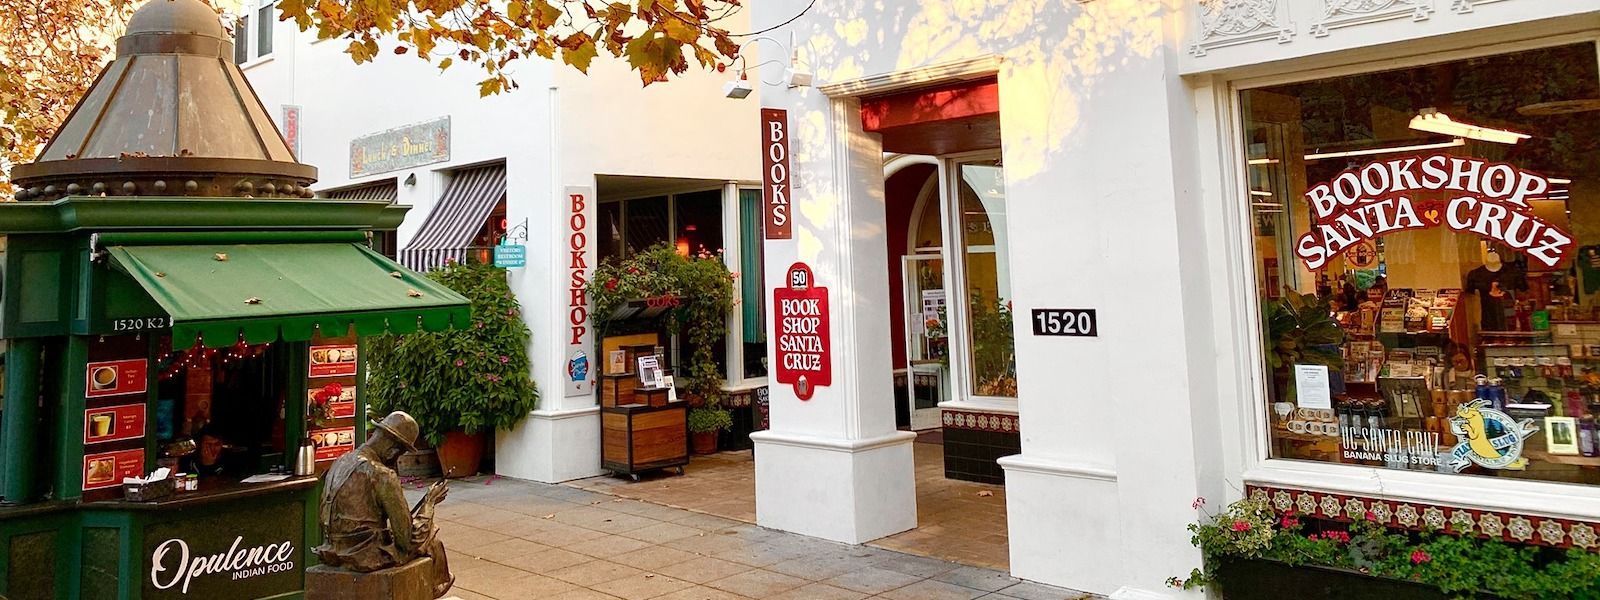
[
  {"x": 804, "y": 357},
  {"x": 1468, "y": 195}
]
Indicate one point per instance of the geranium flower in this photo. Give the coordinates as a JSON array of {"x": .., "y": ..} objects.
[
  {"x": 504, "y": 359},
  {"x": 1241, "y": 526},
  {"x": 461, "y": 363},
  {"x": 611, "y": 284},
  {"x": 1289, "y": 521},
  {"x": 1198, "y": 501},
  {"x": 1419, "y": 556}
]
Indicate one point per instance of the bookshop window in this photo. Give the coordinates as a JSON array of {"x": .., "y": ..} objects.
[{"x": 1427, "y": 256}]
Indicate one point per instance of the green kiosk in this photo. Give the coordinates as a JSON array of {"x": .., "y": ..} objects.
[{"x": 182, "y": 325}]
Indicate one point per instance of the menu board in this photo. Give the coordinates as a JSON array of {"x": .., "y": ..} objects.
[
  {"x": 333, "y": 361},
  {"x": 106, "y": 469},
  {"x": 115, "y": 378},
  {"x": 333, "y": 443},
  {"x": 113, "y": 423},
  {"x": 341, "y": 406}
]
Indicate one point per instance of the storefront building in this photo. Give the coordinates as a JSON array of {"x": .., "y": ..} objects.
[
  {"x": 577, "y": 168},
  {"x": 177, "y": 303},
  {"x": 1127, "y": 200}
]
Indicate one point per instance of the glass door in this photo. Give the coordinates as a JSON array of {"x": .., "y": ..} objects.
[{"x": 927, "y": 337}]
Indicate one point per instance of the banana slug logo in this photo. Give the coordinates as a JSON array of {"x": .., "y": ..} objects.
[{"x": 1489, "y": 438}]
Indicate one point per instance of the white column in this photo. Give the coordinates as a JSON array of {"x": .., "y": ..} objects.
[
  {"x": 834, "y": 466},
  {"x": 559, "y": 440}
]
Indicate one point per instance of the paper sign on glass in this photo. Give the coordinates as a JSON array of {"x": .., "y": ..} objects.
[{"x": 1311, "y": 385}]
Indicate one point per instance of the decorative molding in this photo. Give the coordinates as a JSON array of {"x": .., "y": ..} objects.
[
  {"x": 1499, "y": 525},
  {"x": 1226, "y": 23},
  {"x": 1345, "y": 13},
  {"x": 960, "y": 70},
  {"x": 1022, "y": 463},
  {"x": 813, "y": 442},
  {"x": 1462, "y": 7},
  {"x": 981, "y": 421}
]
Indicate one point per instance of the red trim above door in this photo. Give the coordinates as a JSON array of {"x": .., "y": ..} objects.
[{"x": 941, "y": 120}]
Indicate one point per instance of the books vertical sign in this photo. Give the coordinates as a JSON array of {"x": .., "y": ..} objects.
[
  {"x": 579, "y": 252},
  {"x": 775, "y": 173}
]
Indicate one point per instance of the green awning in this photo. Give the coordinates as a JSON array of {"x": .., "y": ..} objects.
[{"x": 267, "y": 292}]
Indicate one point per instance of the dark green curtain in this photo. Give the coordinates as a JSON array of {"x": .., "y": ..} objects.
[{"x": 753, "y": 306}]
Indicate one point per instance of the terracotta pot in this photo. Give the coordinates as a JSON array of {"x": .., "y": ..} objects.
[
  {"x": 705, "y": 442},
  {"x": 460, "y": 454}
]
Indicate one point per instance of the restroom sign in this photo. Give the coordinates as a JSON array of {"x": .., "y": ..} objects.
[{"x": 801, "y": 309}]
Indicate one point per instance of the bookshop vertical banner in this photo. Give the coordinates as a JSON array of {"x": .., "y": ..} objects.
[{"x": 577, "y": 252}]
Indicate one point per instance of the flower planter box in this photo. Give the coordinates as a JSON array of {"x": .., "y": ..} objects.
[{"x": 1245, "y": 579}]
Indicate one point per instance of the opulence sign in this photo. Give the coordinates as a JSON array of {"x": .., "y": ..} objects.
[{"x": 1465, "y": 194}]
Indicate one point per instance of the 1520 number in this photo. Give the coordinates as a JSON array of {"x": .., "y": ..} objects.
[
  {"x": 1075, "y": 322},
  {"x": 139, "y": 324}
]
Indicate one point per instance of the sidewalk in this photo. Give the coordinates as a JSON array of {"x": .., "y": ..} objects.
[{"x": 510, "y": 539}]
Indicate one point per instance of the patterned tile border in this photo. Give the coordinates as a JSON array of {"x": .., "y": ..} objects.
[
  {"x": 981, "y": 421},
  {"x": 1510, "y": 527}
]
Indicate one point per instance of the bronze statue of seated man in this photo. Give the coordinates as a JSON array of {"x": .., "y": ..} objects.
[{"x": 366, "y": 525}]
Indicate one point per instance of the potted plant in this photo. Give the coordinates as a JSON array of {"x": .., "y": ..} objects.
[
  {"x": 1252, "y": 551},
  {"x": 459, "y": 383},
  {"x": 701, "y": 292},
  {"x": 705, "y": 422}
]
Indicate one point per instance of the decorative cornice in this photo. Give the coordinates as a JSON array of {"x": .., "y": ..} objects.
[
  {"x": 1226, "y": 23},
  {"x": 1345, "y": 13},
  {"x": 981, "y": 421}
]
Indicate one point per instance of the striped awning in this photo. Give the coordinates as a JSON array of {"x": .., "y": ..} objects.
[
  {"x": 458, "y": 217},
  {"x": 382, "y": 190}
]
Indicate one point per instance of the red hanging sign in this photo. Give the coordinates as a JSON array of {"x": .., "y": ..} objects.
[
  {"x": 333, "y": 361},
  {"x": 801, "y": 310},
  {"x": 775, "y": 172},
  {"x": 1468, "y": 195}
]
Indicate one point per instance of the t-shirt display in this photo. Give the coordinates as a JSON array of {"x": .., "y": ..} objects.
[{"x": 1497, "y": 294}]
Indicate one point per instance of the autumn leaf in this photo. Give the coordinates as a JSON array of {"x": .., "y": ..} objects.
[{"x": 579, "y": 55}]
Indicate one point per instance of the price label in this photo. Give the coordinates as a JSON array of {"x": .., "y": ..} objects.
[{"x": 1070, "y": 322}]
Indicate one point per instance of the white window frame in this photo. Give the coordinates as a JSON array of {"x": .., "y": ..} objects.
[
  {"x": 1242, "y": 390},
  {"x": 955, "y": 277},
  {"x": 733, "y": 378},
  {"x": 248, "y": 20}
]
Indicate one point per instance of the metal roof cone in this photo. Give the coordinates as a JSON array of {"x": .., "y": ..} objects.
[{"x": 171, "y": 116}]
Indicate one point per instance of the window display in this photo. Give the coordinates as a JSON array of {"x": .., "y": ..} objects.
[{"x": 1427, "y": 258}]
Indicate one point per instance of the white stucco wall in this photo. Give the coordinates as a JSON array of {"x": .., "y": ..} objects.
[
  {"x": 1119, "y": 165},
  {"x": 558, "y": 129}
]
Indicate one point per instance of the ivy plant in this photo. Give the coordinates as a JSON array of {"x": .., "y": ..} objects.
[{"x": 472, "y": 379}]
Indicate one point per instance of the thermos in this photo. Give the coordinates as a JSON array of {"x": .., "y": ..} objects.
[{"x": 306, "y": 462}]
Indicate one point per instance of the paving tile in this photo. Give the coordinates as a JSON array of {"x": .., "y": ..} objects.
[
  {"x": 710, "y": 544},
  {"x": 500, "y": 550},
  {"x": 756, "y": 583},
  {"x": 581, "y": 594},
  {"x": 608, "y": 546},
  {"x": 914, "y": 565},
  {"x": 662, "y": 532},
  {"x": 701, "y": 593},
  {"x": 929, "y": 589},
  {"x": 1029, "y": 590},
  {"x": 456, "y": 536},
  {"x": 819, "y": 591},
  {"x": 642, "y": 586},
  {"x": 704, "y": 521},
  {"x": 872, "y": 580},
  {"x": 549, "y": 560},
  {"x": 654, "y": 557},
  {"x": 593, "y": 572},
  {"x": 817, "y": 567},
  {"x": 506, "y": 582},
  {"x": 703, "y": 569},
  {"x": 761, "y": 555},
  {"x": 988, "y": 580}
]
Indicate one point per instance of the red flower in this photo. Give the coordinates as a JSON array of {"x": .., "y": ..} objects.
[
  {"x": 1198, "y": 502},
  {"x": 1337, "y": 536},
  {"x": 1419, "y": 556},
  {"x": 1372, "y": 517},
  {"x": 1289, "y": 521},
  {"x": 1241, "y": 526},
  {"x": 611, "y": 284}
]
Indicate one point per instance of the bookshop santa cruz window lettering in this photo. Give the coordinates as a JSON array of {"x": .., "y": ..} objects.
[{"x": 1427, "y": 259}]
